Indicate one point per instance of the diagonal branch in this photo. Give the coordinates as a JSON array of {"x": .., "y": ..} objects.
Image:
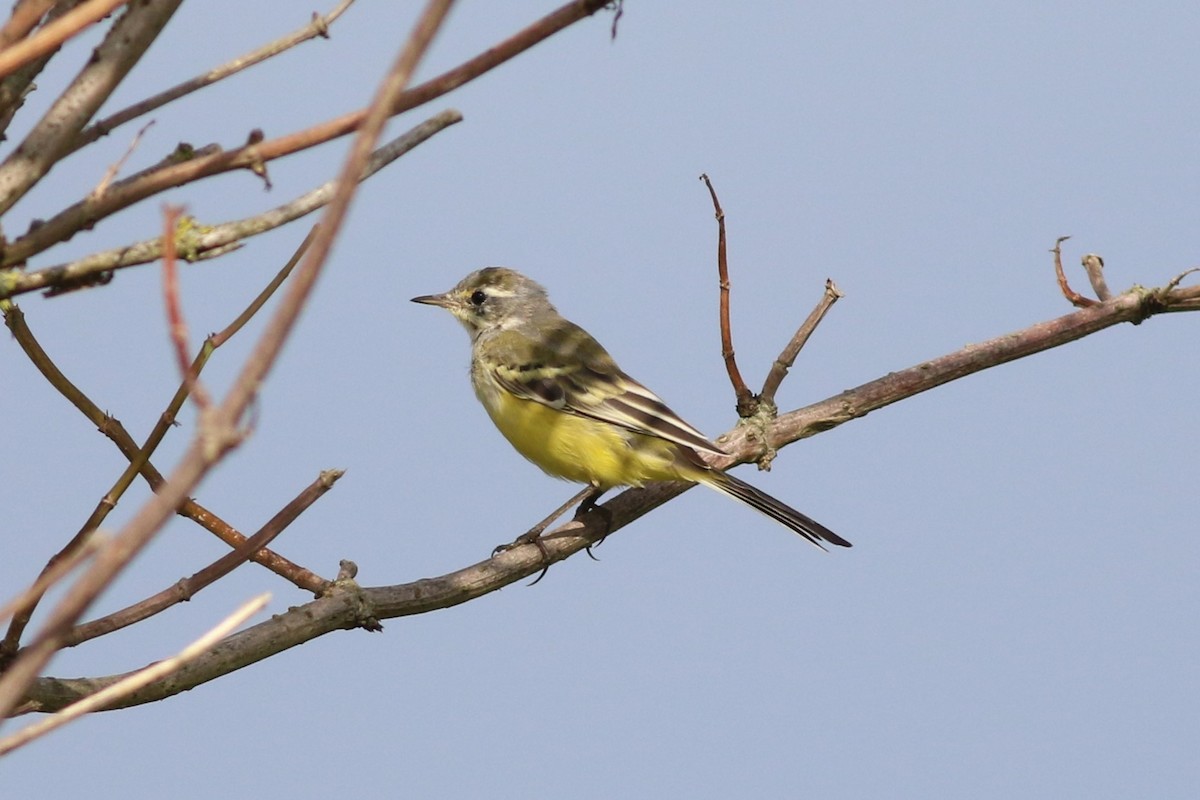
[
  {"x": 55, "y": 33},
  {"x": 15, "y": 87},
  {"x": 25, "y": 17}
]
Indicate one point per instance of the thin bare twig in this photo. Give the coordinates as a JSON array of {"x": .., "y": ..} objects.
[
  {"x": 136, "y": 188},
  {"x": 187, "y": 588},
  {"x": 115, "y": 167},
  {"x": 204, "y": 241},
  {"x": 219, "y": 432},
  {"x": 783, "y": 363},
  {"x": 1094, "y": 265},
  {"x": 142, "y": 678},
  {"x": 317, "y": 27},
  {"x": 1174, "y": 282},
  {"x": 1076, "y": 299},
  {"x": 55, "y": 33},
  {"x": 747, "y": 403}
]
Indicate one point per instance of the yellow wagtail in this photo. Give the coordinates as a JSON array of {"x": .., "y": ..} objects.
[{"x": 564, "y": 404}]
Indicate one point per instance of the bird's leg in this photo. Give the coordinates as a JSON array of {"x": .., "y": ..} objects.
[{"x": 533, "y": 536}]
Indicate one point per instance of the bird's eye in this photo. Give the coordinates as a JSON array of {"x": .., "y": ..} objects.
[{"x": 478, "y": 296}]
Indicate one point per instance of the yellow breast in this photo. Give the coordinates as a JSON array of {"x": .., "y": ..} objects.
[{"x": 577, "y": 448}]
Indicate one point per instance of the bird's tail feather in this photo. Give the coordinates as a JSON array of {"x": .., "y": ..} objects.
[{"x": 784, "y": 514}]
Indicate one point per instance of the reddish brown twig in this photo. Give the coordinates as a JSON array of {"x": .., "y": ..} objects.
[
  {"x": 176, "y": 323},
  {"x": 1076, "y": 299},
  {"x": 747, "y": 403},
  {"x": 186, "y": 588},
  {"x": 785, "y": 360},
  {"x": 25, "y": 16},
  {"x": 55, "y": 33}
]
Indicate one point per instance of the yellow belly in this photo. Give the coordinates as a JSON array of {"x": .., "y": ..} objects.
[{"x": 578, "y": 448}]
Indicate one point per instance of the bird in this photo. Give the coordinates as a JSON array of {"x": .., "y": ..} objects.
[{"x": 563, "y": 403}]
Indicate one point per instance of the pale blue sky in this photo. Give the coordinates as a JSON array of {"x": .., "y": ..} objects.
[{"x": 1017, "y": 617}]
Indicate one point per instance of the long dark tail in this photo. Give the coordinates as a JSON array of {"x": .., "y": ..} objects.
[{"x": 809, "y": 528}]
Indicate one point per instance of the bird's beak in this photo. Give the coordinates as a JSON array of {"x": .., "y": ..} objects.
[{"x": 442, "y": 300}]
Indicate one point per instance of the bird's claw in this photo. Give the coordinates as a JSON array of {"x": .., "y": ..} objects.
[{"x": 533, "y": 537}]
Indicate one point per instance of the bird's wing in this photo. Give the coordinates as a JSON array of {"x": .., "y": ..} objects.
[{"x": 586, "y": 381}]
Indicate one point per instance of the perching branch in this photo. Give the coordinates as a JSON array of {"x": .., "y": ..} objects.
[{"x": 348, "y": 606}]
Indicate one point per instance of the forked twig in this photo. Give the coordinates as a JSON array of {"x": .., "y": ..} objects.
[{"x": 1076, "y": 299}]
